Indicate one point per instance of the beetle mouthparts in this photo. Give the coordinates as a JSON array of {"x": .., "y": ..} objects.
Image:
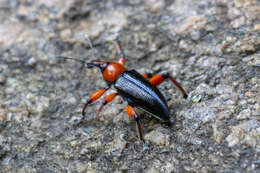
[{"x": 91, "y": 65}]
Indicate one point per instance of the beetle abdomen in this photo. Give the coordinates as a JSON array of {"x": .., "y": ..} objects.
[{"x": 141, "y": 93}]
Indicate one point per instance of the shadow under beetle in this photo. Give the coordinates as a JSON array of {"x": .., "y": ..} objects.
[{"x": 139, "y": 91}]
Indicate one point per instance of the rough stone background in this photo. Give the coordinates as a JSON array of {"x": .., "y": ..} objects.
[{"x": 212, "y": 47}]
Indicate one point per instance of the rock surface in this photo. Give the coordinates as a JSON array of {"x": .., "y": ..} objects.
[{"x": 211, "y": 47}]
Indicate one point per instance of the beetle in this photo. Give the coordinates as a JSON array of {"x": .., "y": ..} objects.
[{"x": 139, "y": 91}]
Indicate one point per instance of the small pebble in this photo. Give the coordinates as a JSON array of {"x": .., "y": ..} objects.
[
  {"x": 31, "y": 62},
  {"x": 196, "y": 98},
  {"x": 157, "y": 137}
]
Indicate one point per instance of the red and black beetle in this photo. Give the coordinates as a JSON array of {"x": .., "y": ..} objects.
[{"x": 137, "y": 90}]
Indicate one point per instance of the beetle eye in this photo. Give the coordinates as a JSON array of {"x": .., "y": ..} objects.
[{"x": 103, "y": 65}]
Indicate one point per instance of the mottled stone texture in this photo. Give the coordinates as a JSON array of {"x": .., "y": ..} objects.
[{"x": 211, "y": 46}]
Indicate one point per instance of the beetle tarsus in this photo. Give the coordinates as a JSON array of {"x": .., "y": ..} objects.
[{"x": 85, "y": 107}]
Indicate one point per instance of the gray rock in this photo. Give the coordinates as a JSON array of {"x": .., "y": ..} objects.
[{"x": 210, "y": 47}]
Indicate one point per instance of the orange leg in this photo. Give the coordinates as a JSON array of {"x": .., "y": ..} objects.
[
  {"x": 108, "y": 99},
  {"x": 159, "y": 78},
  {"x": 96, "y": 95},
  {"x": 147, "y": 75},
  {"x": 132, "y": 113},
  {"x": 121, "y": 53}
]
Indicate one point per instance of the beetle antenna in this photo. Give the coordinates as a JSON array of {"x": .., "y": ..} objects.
[
  {"x": 90, "y": 45},
  {"x": 93, "y": 63},
  {"x": 79, "y": 60}
]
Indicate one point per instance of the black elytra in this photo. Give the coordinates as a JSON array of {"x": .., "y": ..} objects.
[{"x": 140, "y": 93}]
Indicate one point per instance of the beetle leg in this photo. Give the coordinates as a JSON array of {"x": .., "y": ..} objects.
[
  {"x": 108, "y": 99},
  {"x": 96, "y": 95},
  {"x": 132, "y": 113},
  {"x": 159, "y": 78},
  {"x": 120, "y": 52},
  {"x": 147, "y": 75}
]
